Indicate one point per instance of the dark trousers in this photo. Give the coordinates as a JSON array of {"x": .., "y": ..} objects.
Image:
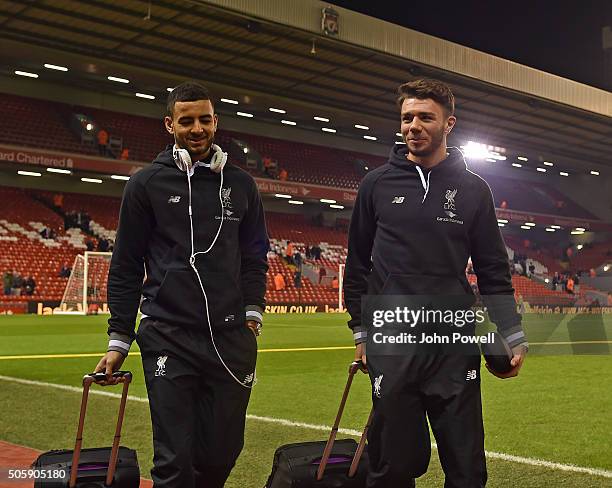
[
  {"x": 197, "y": 409},
  {"x": 443, "y": 389}
]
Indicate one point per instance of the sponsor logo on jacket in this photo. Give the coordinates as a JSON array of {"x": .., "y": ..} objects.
[{"x": 450, "y": 208}]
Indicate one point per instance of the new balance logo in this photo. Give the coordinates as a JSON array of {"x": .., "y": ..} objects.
[
  {"x": 377, "y": 382},
  {"x": 471, "y": 375},
  {"x": 398, "y": 200},
  {"x": 161, "y": 366},
  {"x": 174, "y": 199}
]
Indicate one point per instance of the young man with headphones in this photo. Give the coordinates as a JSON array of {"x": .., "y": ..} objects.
[
  {"x": 416, "y": 222},
  {"x": 196, "y": 225}
]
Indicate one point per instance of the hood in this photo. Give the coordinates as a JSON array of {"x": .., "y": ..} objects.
[
  {"x": 167, "y": 159},
  {"x": 454, "y": 161}
]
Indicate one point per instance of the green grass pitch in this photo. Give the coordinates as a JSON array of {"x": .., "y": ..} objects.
[{"x": 559, "y": 409}]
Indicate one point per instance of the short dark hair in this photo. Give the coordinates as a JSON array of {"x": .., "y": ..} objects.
[
  {"x": 188, "y": 91},
  {"x": 427, "y": 88}
]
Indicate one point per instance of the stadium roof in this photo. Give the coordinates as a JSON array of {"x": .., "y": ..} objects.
[{"x": 262, "y": 63}]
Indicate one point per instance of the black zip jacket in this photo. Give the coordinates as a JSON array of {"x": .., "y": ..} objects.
[
  {"x": 153, "y": 233},
  {"x": 412, "y": 232}
]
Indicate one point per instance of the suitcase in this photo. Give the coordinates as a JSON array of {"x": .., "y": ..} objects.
[
  {"x": 324, "y": 464},
  {"x": 115, "y": 466}
]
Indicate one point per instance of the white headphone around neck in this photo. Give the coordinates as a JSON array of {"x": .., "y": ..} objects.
[
  {"x": 183, "y": 162},
  {"x": 182, "y": 158}
]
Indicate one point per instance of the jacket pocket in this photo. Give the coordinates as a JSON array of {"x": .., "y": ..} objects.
[
  {"x": 225, "y": 302},
  {"x": 180, "y": 296}
]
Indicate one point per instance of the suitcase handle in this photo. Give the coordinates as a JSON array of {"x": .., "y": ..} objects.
[
  {"x": 124, "y": 377},
  {"x": 353, "y": 368}
]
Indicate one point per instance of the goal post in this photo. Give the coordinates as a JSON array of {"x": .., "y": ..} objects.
[
  {"x": 86, "y": 288},
  {"x": 341, "y": 287}
]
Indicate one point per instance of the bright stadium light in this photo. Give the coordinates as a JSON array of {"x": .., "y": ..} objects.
[
  {"x": 89, "y": 126},
  {"x": 230, "y": 101},
  {"x": 555, "y": 226},
  {"x": 517, "y": 165},
  {"x": 579, "y": 247},
  {"x": 606, "y": 267},
  {"x": 370, "y": 138},
  {"x": 530, "y": 224},
  {"x": 55, "y": 67},
  {"x": 60, "y": 171},
  {"x": 546, "y": 280},
  {"x": 582, "y": 229},
  {"x": 548, "y": 163},
  {"x": 117, "y": 79},
  {"x": 277, "y": 110},
  {"x": 27, "y": 74},
  {"x": 288, "y": 122},
  {"x": 594, "y": 173},
  {"x": 522, "y": 158},
  {"x": 328, "y": 129},
  {"x": 503, "y": 221},
  {"x": 548, "y": 229},
  {"x": 478, "y": 151},
  {"x": 327, "y": 200},
  {"x": 282, "y": 195},
  {"x": 295, "y": 202},
  {"x": 245, "y": 150},
  {"x": 577, "y": 232},
  {"x": 244, "y": 114},
  {"x": 400, "y": 142},
  {"x": 526, "y": 227},
  {"x": 563, "y": 173},
  {"x": 541, "y": 170},
  {"x": 501, "y": 224},
  {"x": 398, "y": 134},
  {"x": 145, "y": 95},
  {"x": 91, "y": 180},
  {"x": 474, "y": 150},
  {"x": 120, "y": 177},
  {"x": 339, "y": 207},
  {"x": 362, "y": 127},
  {"x": 169, "y": 89},
  {"x": 28, "y": 173},
  {"x": 321, "y": 119}
]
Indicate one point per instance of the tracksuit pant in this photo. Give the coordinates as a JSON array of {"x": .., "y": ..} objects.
[
  {"x": 408, "y": 391},
  {"x": 197, "y": 409}
]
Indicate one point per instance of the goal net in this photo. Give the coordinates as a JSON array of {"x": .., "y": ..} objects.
[{"x": 85, "y": 292}]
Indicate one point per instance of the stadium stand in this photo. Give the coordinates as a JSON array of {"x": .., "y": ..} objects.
[
  {"x": 24, "y": 250},
  {"x": 38, "y": 123},
  {"x": 45, "y": 124},
  {"x": 534, "y": 197}
]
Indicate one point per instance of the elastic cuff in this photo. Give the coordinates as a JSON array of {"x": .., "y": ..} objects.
[
  {"x": 360, "y": 334},
  {"x": 120, "y": 343},
  {"x": 255, "y": 313},
  {"x": 515, "y": 336}
]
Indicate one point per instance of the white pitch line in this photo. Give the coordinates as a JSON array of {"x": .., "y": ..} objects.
[{"x": 324, "y": 428}]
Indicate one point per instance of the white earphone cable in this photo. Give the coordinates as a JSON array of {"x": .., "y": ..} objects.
[{"x": 192, "y": 259}]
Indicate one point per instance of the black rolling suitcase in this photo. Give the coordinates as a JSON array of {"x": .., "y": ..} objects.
[
  {"x": 115, "y": 466},
  {"x": 323, "y": 464}
]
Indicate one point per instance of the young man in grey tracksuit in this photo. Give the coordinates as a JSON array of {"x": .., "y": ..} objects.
[{"x": 416, "y": 221}]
